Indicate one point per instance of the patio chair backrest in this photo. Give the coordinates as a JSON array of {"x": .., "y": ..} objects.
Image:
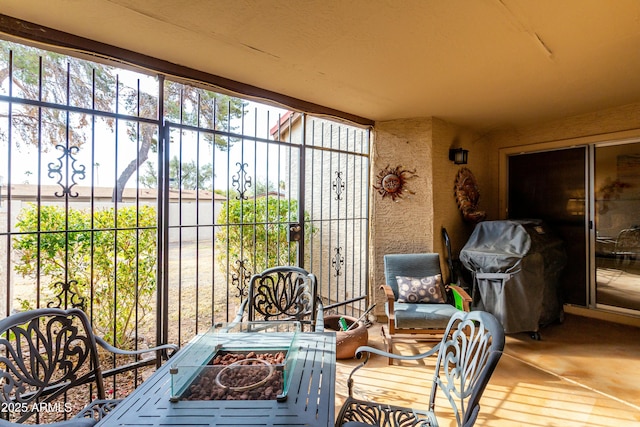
[
  {"x": 414, "y": 265},
  {"x": 469, "y": 353},
  {"x": 283, "y": 293},
  {"x": 43, "y": 354},
  {"x": 467, "y": 356},
  {"x": 628, "y": 240}
]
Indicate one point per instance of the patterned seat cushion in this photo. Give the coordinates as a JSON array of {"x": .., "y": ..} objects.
[{"x": 422, "y": 316}]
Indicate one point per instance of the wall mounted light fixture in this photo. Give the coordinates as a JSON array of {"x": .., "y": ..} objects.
[{"x": 459, "y": 156}]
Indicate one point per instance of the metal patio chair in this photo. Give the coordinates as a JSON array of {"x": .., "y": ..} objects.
[
  {"x": 413, "y": 316},
  {"x": 44, "y": 355},
  {"x": 627, "y": 247},
  {"x": 283, "y": 293},
  {"x": 467, "y": 355}
]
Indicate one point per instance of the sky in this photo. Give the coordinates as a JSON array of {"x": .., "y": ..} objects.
[
  {"x": 24, "y": 157},
  {"x": 101, "y": 161}
]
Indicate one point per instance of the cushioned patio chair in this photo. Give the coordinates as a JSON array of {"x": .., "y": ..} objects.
[
  {"x": 283, "y": 293},
  {"x": 467, "y": 355},
  {"x": 47, "y": 353},
  {"x": 417, "y": 300}
]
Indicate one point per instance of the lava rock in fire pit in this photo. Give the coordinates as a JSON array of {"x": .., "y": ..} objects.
[{"x": 239, "y": 376}]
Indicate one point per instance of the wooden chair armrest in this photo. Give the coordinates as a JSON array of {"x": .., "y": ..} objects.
[
  {"x": 391, "y": 298},
  {"x": 388, "y": 292},
  {"x": 466, "y": 299}
]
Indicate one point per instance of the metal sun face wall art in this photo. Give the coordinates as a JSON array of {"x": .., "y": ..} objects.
[{"x": 391, "y": 182}]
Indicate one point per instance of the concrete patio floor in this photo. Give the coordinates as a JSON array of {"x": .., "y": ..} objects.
[{"x": 584, "y": 372}]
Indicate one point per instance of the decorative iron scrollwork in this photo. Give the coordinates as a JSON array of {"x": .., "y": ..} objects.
[
  {"x": 68, "y": 294},
  {"x": 338, "y": 261},
  {"x": 241, "y": 181},
  {"x": 338, "y": 185},
  {"x": 241, "y": 278},
  {"x": 77, "y": 170},
  {"x": 282, "y": 293}
]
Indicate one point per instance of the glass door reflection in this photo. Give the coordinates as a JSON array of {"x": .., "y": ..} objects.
[{"x": 617, "y": 226}]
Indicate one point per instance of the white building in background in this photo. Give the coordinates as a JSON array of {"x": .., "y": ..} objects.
[
  {"x": 202, "y": 204},
  {"x": 195, "y": 203}
]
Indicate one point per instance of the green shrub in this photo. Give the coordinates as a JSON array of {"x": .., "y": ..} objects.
[
  {"x": 256, "y": 236},
  {"x": 112, "y": 266}
]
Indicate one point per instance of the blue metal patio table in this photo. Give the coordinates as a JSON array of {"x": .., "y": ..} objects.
[{"x": 310, "y": 400}]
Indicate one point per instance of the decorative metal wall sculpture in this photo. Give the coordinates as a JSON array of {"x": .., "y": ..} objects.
[
  {"x": 467, "y": 195},
  {"x": 391, "y": 181}
]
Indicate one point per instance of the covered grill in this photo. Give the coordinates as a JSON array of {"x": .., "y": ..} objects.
[{"x": 516, "y": 267}]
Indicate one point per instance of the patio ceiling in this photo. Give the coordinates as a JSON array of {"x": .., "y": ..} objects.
[{"x": 484, "y": 64}]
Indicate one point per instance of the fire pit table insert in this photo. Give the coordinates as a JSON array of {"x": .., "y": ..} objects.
[{"x": 256, "y": 364}]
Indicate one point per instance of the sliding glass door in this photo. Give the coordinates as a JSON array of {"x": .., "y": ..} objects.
[
  {"x": 617, "y": 226},
  {"x": 590, "y": 197},
  {"x": 551, "y": 186}
]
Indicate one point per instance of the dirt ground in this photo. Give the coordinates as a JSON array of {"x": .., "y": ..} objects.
[{"x": 198, "y": 295}]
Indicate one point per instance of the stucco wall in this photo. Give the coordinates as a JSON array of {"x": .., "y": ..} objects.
[
  {"x": 406, "y": 224},
  {"x": 446, "y": 212},
  {"x": 413, "y": 223}
]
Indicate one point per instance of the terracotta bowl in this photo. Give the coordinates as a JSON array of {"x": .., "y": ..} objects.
[{"x": 346, "y": 341}]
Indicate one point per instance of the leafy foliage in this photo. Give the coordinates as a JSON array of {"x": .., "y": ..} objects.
[
  {"x": 59, "y": 79},
  {"x": 185, "y": 176},
  {"x": 205, "y": 109},
  {"x": 257, "y": 235},
  {"x": 111, "y": 263}
]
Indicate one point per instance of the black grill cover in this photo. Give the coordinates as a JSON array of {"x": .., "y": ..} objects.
[{"x": 516, "y": 266}]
